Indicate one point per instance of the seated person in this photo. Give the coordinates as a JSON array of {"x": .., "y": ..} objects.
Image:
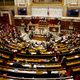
[
  {"x": 4, "y": 63},
  {"x": 52, "y": 59},
  {"x": 64, "y": 62},
  {"x": 12, "y": 56},
  {"x": 27, "y": 52},
  {"x": 49, "y": 72},
  {"x": 38, "y": 52},
  {"x": 17, "y": 64}
]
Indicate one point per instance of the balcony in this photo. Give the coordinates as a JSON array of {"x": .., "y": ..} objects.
[
  {"x": 47, "y": 1},
  {"x": 6, "y": 2}
]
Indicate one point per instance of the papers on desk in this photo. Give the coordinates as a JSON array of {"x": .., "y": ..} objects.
[
  {"x": 50, "y": 52},
  {"x": 45, "y": 72},
  {"x": 76, "y": 56},
  {"x": 28, "y": 72},
  {"x": 13, "y": 70},
  {"x": 54, "y": 72},
  {"x": 10, "y": 63},
  {"x": 18, "y": 71},
  {"x": 32, "y": 72},
  {"x": 33, "y": 53},
  {"x": 26, "y": 65},
  {"x": 40, "y": 66}
]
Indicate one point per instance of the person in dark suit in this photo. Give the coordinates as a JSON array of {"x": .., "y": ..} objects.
[
  {"x": 49, "y": 72},
  {"x": 38, "y": 52},
  {"x": 4, "y": 63},
  {"x": 52, "y": 59},
  {"x": 12, "y": 56},
  {"x": 64, "y": 62},
  {"x": 17, "y": 64},
  {"x": 27, "y": 52}
]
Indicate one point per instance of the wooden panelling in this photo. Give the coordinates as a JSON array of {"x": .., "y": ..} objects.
[
  {"x": 65, "y": 25},
  {"x": 77, "y": 26},
  {"x": 17, "y": 22},
  {"x": 26, "y": 21}
]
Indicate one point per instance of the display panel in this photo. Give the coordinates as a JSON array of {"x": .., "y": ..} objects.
[
  {"x": 22, "y": 11},
  {"x": 73, "y": 13}
]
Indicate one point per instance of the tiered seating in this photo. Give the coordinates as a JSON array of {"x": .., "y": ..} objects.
[
  {"x": 41, "y": 64},
  {"x": 20, "y": 59}
]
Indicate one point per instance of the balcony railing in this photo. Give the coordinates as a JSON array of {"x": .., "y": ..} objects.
[
  {"x": 6, "y": 2},
  {"x": 47, "y": 1}
]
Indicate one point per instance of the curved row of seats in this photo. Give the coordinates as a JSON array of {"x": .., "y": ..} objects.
[{"x": 73, "y": 62}]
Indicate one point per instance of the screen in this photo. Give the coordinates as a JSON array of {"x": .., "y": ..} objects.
[
  {"x": 73, "y": 13},
  {"x": 22, "y": 11}
]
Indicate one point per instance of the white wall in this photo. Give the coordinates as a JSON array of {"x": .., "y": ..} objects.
[
  {"x": 56, "y": 12},
  {"x": 46, "y": 11},
  {"x": 39, "y": 11}
]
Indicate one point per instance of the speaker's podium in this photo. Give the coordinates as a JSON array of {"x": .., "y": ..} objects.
[{"x": 39, "y": 37}]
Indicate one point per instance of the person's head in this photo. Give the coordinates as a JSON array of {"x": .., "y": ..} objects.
[{"x": 64, "y": 57}]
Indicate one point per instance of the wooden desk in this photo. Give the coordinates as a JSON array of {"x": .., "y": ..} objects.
[{"x": 39, "y": 37}]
